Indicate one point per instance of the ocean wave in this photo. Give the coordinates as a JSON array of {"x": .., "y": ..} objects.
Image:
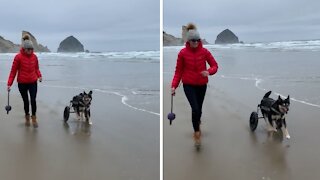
[
  {"x": 312, "y": 45},
  {"x": 147, "y": 55},
  {"x": 133, "y": 56}
]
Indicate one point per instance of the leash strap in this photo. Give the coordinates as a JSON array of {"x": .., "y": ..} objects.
[
  {"x": 8, "y": 97},
  {"x": 171, "y": 103},
  {"x": 274, "y": 110}
]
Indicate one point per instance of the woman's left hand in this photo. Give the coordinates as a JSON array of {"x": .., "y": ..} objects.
[
  {"x": 205, "y": 73},
  {"x": 40, "y": 79}
]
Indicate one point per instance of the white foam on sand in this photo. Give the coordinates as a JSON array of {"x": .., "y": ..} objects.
[
  {"x": 258, "y": 82},
  {"x": 124, "y": 98}
]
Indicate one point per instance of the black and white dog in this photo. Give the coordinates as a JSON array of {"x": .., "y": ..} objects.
[
  {"x": 274, "y": 112},
  {"x": 81, "y": 105}
]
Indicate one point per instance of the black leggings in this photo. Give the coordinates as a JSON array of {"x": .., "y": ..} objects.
[
  {"x": 32, "y": 88},
  {"x": 195, "y": 96}
]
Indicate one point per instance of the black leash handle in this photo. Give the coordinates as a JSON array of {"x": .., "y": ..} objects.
[
  {"x": 171, "y": 107},
  {"x": 8, "y": 107}
]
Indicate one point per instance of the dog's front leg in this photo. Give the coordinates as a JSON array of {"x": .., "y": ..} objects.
[
  {"x": 284, "y": 129},
  {"x": 87, "y": 115},
  {"x": 82, "y": 115},
  {"x": 78, "y": 113},
  {"x": 274, "y": 126},
  {"x": 269, "y": 126},
  {"x": 285, "y": 132}
]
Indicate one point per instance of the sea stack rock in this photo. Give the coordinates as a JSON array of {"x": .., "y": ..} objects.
[
  {"x": 7, "y": 46},
  {"x": 226, "y": 37},
  {"x": 70, "y": 44},
  {"x": 37, "y": 47},
  {"x": 170, "y": 40}
]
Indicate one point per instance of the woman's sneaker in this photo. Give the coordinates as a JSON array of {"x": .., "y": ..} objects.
[
  {"x": 197, "y": 138},
  {"x": 34, "y": 121},
  {"x": 27, "y": 123}
]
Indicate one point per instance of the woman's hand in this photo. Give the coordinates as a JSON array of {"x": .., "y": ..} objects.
[
  {"x": 173, "y": 91},
  {"x": 9, "y": 88},
  {"x": 40, "y": 79},
  {"x": 205, "y": 73}
]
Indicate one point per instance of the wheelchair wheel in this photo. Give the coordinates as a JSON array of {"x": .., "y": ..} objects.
[
  {"x": 66, "y": 113},
  {"x": 253, "y": 121}
]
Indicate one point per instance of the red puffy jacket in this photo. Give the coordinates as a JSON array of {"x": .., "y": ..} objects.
[
  {"x": 27, "y": 67},
  {"x": 190, "y": 63}
]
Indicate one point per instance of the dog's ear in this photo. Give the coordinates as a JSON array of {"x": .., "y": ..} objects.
[
  {"x": 90, "y": 92},
  {"x": 280, "y": 100},
  {"x": 84, "y": 92}
]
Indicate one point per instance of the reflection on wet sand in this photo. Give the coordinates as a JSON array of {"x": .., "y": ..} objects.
[
  {"x": 273, "y": 151},
  {"x": 77, "y": 128}
]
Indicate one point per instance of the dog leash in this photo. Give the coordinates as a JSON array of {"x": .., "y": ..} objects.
[
  {"x": 8, "y": 107},
  {"x": 171, "y": 105},
  {"x": 171, "y": 115}
]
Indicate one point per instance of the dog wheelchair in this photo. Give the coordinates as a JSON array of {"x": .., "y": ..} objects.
[
  {"x": 71, "y": 108},
  {"x": 254, "y": 117}
]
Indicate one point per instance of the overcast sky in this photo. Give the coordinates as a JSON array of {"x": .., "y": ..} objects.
[
  {"x": 250, "y": 20},
  {"x": 100, "y": 25}
]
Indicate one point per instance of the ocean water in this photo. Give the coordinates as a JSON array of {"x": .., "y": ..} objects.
[
  {"x": 286, "y": 68},
  {"x": 132, "y": 76}
]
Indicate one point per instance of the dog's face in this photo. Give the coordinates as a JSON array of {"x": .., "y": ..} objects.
[
  {"x": 86, "y": 98},
  {"x": 283, "y": 104}
]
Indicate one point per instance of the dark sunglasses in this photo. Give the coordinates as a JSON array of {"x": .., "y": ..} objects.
[
  {"x": 195, "y": 40},
  {"x": 29, "y": 49}
]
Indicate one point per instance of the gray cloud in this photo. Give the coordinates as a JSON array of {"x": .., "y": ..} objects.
[
  {"x": 101, "y": 25},
  {"x": 250, "y": 20}
]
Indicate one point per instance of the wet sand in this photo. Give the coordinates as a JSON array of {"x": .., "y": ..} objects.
[
  {"x": 122, "y": 143},
  {"x": 229, "y": 149}
]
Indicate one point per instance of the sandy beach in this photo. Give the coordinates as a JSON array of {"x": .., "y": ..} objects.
[
  {"x": 123, "y": 142},
  {"x": 114, "y": 147},
  {"x": 117, "y": 146},
  {"x": 229, "y": 149}
]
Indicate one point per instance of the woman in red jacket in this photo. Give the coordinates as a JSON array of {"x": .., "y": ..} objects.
[
  {"x": 192, "y": 69},
  {"x": 27, "y": 66}
]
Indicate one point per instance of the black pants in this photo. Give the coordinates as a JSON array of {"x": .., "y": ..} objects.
[
  {"x": 195, "y": 96},
  {"x": 32, "y": 88}
]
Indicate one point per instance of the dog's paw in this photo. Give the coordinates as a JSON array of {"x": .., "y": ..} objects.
[
  {"x": 272, "y": 129},
  {"x": 288, "y": 136}
]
